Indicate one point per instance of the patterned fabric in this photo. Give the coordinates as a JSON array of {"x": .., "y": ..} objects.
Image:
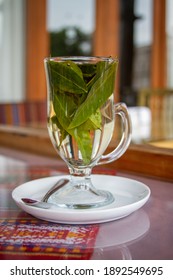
[
  {"x": 34, "y": 239},
  {"x": 23, "y": 113}
]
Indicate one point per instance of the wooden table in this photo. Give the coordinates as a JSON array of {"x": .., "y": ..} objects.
[{"x": 145, "y": 234}]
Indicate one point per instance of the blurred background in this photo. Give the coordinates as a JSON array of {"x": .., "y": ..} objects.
[{"x": 139, "y": 33}]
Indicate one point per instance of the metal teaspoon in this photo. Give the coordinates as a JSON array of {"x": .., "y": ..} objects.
[
  {"x": 37, "y": 203},
  {"x": 43, "y": 202},
  {"x": 57, "y": 186}
]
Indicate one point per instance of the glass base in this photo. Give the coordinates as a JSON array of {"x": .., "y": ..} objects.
[{"x": 81, "y": 196}]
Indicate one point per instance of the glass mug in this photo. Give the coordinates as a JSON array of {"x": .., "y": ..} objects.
[{"x": 81, "y": 121}]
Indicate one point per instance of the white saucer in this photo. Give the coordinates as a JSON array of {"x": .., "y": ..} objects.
[{"x": 130, "y": 195}]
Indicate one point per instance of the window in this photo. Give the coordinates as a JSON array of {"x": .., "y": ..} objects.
[
  {"x": 12, "y": 50},
  {"x": 142, "y": 43},
  {"x": 71, "y": 25}
]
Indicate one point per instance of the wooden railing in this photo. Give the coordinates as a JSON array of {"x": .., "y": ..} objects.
[{"x": 145, "y": 159}]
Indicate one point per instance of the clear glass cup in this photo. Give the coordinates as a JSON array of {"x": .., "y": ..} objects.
[{"x": 81, "y": 121}]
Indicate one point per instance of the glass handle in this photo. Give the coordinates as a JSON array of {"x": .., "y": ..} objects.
[{"x": 121, "y": 110}]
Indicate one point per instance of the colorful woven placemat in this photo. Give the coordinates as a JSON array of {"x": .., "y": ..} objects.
[{"x": 35, "y": 239}]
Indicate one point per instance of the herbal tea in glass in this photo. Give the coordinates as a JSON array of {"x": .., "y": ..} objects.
[{"x": 81, "y": 120}]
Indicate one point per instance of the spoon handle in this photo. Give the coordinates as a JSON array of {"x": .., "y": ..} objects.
[{"x": 56, "y": 187}]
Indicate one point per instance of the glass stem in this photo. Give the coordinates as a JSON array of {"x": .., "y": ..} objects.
[{"x": 81, "y": 178}]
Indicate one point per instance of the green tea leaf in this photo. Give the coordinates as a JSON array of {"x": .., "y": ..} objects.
[
  {"x": 99, "y": 93},
  {"x": 96, "y": 119},
  {"x": 88, "y": 71},
  {"x": 64, "y": 108},
  {"x": 78, "y": 92},
  {"x": 84, "y": 142},
  {"x": 67, "y": 76},
  {"x": 100, "y": 68},
  {"x": 57, "y": 124}
]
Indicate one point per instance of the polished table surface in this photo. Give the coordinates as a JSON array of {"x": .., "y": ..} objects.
[{"x": 145, "y": 234}]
